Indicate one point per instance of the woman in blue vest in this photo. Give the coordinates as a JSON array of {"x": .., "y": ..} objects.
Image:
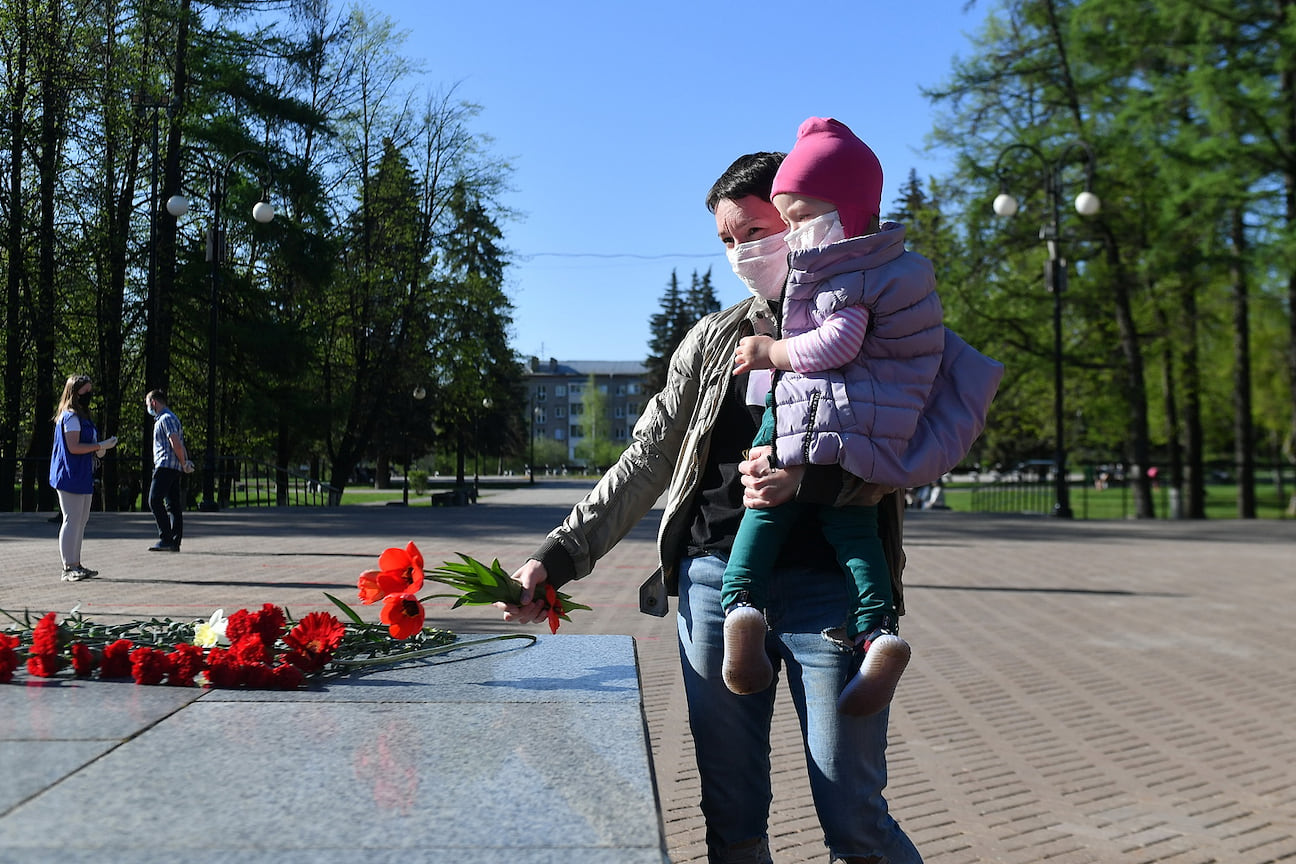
[{"x": 76, "y": 442}]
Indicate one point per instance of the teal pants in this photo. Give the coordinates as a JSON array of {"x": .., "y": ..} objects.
[{"x": 851, "y": 531}]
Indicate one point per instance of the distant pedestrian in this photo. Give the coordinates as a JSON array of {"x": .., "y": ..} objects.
[
  {"x": 170, "y": 460},
  {"x": 72, "y": 463}
]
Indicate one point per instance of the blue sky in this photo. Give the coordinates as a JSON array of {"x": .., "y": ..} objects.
[{"x": 617, "y": 118}]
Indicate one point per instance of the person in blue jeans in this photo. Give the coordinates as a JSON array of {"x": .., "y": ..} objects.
[
  {"x": 690, "y": 443},
  {"x": 170, "y": 461}
]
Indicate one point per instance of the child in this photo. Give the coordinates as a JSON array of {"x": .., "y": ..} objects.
[{"x": 862, "y": 372}]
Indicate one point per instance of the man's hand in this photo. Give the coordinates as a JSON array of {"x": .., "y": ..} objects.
[
  {"x": 753, "y": 352},
  {"x": 188, "y": 466},
  {"x": 530, "y": 575},
  {"x": 764, "y": 486}
]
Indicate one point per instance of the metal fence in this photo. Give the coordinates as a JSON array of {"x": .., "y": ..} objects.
[
  {"x": 249, "y": 483},
  {"x": 238, "y": 483},
  {"x": 1104, "y": 490}
]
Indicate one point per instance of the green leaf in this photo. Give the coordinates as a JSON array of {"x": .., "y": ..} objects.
[{"x": 350, "y": 613}]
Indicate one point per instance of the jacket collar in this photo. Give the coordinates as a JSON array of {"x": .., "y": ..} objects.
[{"x": 857, "y": 253}]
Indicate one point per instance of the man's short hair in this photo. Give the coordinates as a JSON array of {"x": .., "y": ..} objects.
[
  {"x": 157, "y": 396},
  {"x": 752, "y": 174}
]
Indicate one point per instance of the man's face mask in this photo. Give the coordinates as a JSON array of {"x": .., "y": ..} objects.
[
  {"x": 818, "y": 232},
  {"x": 761, "y": 265}
]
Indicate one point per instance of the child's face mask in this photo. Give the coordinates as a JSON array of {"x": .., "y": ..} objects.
[
  {"x": 761, "y": 265},
  {"x": 816, "y": 233}
]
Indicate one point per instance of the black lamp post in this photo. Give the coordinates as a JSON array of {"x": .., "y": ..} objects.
[
  {"x": 1055, "y": 273},
  {"x": 485, "y": 404},
  {"x": 534, "y": 414},
  {"x": 416, "y": 396},
  {"x": 262, "y": 212},
  {"x": 152, "y": 354}
]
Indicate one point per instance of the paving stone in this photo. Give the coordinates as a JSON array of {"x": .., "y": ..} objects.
[{"x": 1109, "y": 692}]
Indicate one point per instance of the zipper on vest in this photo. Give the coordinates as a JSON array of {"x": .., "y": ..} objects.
[{"x": 811, "y": 413}]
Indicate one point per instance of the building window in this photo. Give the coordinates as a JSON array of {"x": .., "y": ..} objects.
[
  {"x": 618, "y": 411},
  {"x": 559, "y": 435},
  {"x": 621, "y": 390},
  {"x": 560, "y": 389},
  {"x": 632, "y": 409},
  {"x": 575, "y": 389},
  {"x": 634, "y": 389},
  {"x": 577, "y": 431},
  {"x": 540, "y": 416},
  {"x": 540, "y": 392},
  {"x": 577, "y": 409},
  {"x": 620, "y": 433},
  {"x": 602, "y": 388},
  {"x": 560, "y": 411}
]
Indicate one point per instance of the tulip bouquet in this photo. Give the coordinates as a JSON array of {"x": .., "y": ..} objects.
[{"x": 267, "y": 649}]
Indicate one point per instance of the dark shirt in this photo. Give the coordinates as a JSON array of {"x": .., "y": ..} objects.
[{"x": 718, "y": 507}]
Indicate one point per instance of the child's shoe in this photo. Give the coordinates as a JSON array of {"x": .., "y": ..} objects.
[
  {"x": 885, "y": 657},
  {"x": 747, "y": 668}
]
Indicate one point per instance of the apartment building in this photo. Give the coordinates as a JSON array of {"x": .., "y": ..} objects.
[{"x": 558, "y": 399}]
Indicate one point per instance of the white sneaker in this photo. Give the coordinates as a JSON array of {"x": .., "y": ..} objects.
[
  {"x": 747, "y": 668},
  {"x": 874, "y": 685}
]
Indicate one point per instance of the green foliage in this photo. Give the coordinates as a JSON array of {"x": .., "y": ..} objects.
[
  {"x": 1181, "y": 107},
  {"x": 680, "y": 310}
]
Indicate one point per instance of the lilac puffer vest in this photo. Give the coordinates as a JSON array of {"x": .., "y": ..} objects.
[{"x": 884, "y": 417}]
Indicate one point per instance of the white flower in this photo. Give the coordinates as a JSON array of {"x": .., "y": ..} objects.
[{"x": 210, "y": 633}]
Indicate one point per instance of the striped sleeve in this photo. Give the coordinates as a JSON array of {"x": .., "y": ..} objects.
[{"x": 832, "y": 344}]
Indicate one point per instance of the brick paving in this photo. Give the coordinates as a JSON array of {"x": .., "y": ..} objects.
[{"x": 1114, "y": 692}]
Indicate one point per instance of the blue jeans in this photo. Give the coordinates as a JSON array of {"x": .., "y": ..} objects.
[{"x": 846, "y": 755}]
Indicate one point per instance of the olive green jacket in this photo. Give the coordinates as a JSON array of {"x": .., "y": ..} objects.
[{"x": 669, "y": 450}]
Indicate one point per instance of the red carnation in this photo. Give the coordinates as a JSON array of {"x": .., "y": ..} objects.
[
  {"x": 116, "y": 659},
  {"x": 8, "y": 657},
  {"x": 45, "y": 636},
  {"x": 287, "y": 677},
  {"x": 223, "y": 669},
  {"x": 186, "y": 662},
  {"x": 269, "y": 624},
  {"x": 257, "y": 676},
  {"x": 239, "y": 625},
  {"x": 43, "y": 665},
  {"x": 149, "y": 665},
  {"x": 250, "y": 649},
  {"x": 83, "y": 660}
]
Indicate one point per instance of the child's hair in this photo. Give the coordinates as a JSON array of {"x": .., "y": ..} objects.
[
  {"x": 752, "y": 174},
  {"x": 830, "y": 163},
  {"x": 69, "y": 401}
]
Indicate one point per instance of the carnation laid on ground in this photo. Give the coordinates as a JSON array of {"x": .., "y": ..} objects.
[{"x": 266, "y": 648}]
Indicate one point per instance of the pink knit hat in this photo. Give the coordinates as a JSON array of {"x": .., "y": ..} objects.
[{"x": 828, "y": 162}]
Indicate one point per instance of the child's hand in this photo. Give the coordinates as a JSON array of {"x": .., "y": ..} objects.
[
  {"x": 108, "y": 443},
  {"x": 753, "y": 352}
]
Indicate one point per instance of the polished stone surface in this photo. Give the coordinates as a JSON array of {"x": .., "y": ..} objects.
[{"x": 500, "y": 751}]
